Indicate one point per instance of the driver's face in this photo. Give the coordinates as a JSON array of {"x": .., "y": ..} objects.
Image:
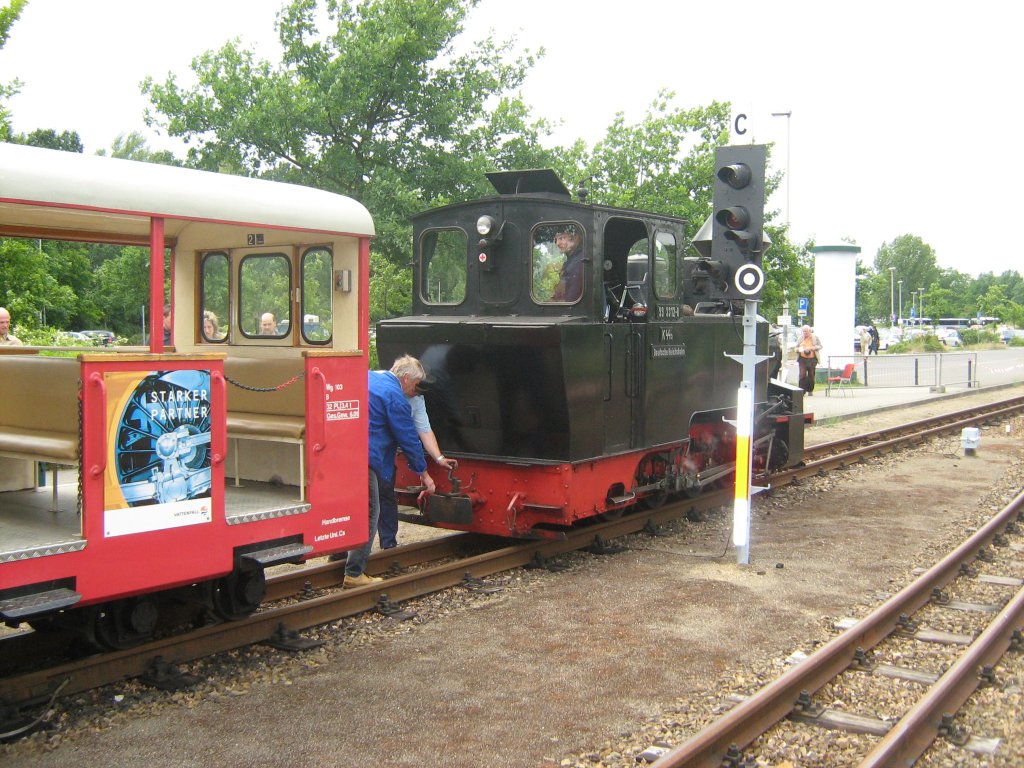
[{"x": 565, "y": 242}]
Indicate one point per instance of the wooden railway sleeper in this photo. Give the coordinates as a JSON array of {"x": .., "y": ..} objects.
[
  {"x": 862, "y": 661},
  {"x": 734, "y": 758},
  {"x": 290, "y": 640},
  {"x": 478, "y": 585},
  {"x": 1016, "y": 641},
  {"x": 392, "y": 610},
  {"x": 952, "y": 731},
  {"x": 600, "y": 546},
  {"x": 805, "y": 709},
  {"x": 906, "y": 625},
  {"x": 167, "y": 677},
  {"x": 987, "y": 677}
]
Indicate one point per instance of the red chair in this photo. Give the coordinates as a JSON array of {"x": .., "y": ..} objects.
[{"x": 841, "y": 379}]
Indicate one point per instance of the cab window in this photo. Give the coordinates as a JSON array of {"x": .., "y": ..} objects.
[
  {"x": 557, "y": 263},
  {"x": 665, "y": 256},
  {"x": 443, "y": 256},
  {"x": 265, "y": 286}
]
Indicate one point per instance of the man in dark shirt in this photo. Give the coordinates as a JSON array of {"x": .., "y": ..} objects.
[{"x": 570, "y": 280}]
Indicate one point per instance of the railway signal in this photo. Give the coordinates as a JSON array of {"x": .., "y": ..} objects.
[{"x": 737, "y": 236}]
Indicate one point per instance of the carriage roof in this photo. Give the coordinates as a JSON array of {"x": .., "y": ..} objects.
[{"x": 98, "y": 195}]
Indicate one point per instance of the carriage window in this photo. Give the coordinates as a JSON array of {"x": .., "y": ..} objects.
[
  {"x": 665, "y": 265},
  {"x": 443, "y": 259},
  {"x": 317, "y": 313},
  {"x": 557, "y": 263},
  {"x": 214, "y": 288},
  {"x": 263, "y": 296}
]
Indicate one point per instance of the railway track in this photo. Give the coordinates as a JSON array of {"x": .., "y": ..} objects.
[
  {"x": 311, "y": 596},
  {"x": 909, "y": 617}
]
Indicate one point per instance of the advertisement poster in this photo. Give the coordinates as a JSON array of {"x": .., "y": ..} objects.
[{"x": 158, "y": 472}]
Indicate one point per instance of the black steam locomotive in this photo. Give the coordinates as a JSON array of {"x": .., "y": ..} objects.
[{"x": 577, "y": 361}]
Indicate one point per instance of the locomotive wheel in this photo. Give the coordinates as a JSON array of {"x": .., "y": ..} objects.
[
  {"x": 654, "y": 500},
  {"x": 652, "y": 468},
  {"x": 125, "y": 623},
  {"x": 780, "y": 454},
  {"x": 239, "y": 594}
]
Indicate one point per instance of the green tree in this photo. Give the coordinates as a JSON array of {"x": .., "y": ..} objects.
[
  {"x": 133, "y": 146},
  {"x": 27, "y": 288},
  {"x": 380, "y": 108},
  {"x": 122, "y": 290},
  {"x": 907, "y": 258},
  {"x": 8, "y": 15},
  {"x": 48, "y": 138}
]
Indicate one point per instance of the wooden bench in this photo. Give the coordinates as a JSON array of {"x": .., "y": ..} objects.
[
  {"x": 39, "y": 410},
  {"x": 278, "y": 415}
]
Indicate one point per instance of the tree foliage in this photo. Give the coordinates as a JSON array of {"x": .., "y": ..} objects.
[
  {"x": 381, "y": 107},
  {"x": 9, "y": 14},
  {"x": 133, "y": 146}
]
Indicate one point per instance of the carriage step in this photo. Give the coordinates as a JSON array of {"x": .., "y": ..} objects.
[
  {"x": 618, "y": 500},
  {"x": 286, "y": 553},
  {"x": 36, "y": 603}
]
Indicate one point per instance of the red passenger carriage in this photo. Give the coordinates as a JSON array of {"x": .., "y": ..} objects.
[{"x": 197, "y": 464}]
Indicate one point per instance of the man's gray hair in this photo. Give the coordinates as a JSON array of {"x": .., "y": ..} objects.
[{"x": 407, "y": 365}]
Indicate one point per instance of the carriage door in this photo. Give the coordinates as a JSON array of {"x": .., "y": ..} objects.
[{"x": 625, "y": 258}]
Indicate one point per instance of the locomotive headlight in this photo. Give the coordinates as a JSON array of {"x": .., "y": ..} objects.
[{"x": 485, "y": 225}]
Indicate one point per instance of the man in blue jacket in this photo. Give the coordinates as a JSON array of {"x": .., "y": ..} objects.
[{"x": 391, "y": 426}]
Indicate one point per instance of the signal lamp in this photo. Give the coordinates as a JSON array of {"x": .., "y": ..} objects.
[
  {"x": 733, "y": 218},
  {"x": 736, "y": 175}
]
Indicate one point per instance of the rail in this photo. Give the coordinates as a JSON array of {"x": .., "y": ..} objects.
[{"x": 749, "y": 719}]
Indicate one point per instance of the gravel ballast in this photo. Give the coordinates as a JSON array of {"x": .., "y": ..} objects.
[{"x": 591, "y": 666}]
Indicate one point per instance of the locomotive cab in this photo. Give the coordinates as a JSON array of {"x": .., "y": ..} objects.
[{"x": 559, "y": 341}]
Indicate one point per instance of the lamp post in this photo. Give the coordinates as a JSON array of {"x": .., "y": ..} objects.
[
  {"x": 892, "y": 296},
  {"x": 913, "y": 305},
  {"x": 789, "y": 183},
  {"x": 899, "y": 316}
]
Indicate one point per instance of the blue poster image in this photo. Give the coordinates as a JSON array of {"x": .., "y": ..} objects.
[{"x": 162, "y": 438}]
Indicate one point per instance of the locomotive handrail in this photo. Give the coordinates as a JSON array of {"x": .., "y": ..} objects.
[
  {"x": 96, "y": 379},
  {"x": 221, "y": 449},
  {"x": 319, "y": 445}
]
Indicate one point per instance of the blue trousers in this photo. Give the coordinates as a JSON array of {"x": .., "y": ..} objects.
[
  {"x": 356, "y": 562},
  {"x": 387, "y": 522}
]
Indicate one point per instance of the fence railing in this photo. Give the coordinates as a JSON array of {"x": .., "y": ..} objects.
[{"x": 916, "y": 370}]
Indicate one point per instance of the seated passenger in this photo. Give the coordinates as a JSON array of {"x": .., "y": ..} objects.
[
  {"x": 211, "y": 328},
  {"x": 268, "y": 324}
]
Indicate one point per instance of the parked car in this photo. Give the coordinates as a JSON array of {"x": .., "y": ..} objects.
[
  {"x": 71, "y": 339},
  {"x": 887, "y": 337},
  {"x": 949, "y": 336},
  {"x": 106, "y": 338}
]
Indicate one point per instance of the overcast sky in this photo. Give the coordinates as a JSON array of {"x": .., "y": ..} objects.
[{"x": 901, "y": 111}]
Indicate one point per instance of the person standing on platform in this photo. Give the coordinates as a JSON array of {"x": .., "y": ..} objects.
[{"x": 807, "y": 350}]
